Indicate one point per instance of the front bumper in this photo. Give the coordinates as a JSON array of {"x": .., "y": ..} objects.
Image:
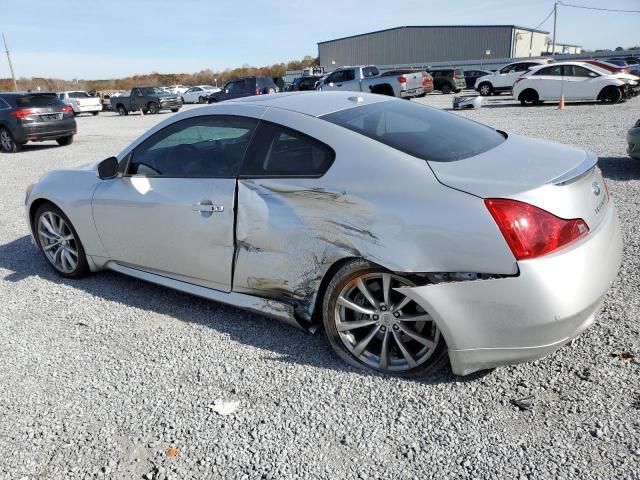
[
  {"x": 170, "y": 104},
  {"x": 488, "y": 323},
  {"x": 37, "y": 132}
]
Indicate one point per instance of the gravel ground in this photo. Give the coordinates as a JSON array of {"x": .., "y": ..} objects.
[{"x": 110, "y": 377}]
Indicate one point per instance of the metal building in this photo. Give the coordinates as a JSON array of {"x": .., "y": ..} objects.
[{"x": 424, "y": 44}]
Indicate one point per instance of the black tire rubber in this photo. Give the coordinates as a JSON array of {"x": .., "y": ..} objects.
[
  {"x": 200, "y": 100},
  {"x": 344, "y": 275},
  {"x": 610, "y": 95},
  {"x": 82, "y": 269},
  {"x": 174, "y": 110},
  {"x": 122, "y": 111},
  {"x": 64, "y": 141},
  {"x": 153, "y": 108},
  {"x": 95, "y": 114},
  {"x": 446, "y": 89},
  {"x": 485, "y": 87},
  {"x": 529, "y": 97},
  {"x": 182, "y": 99},
  {"x": 14, "y": 146}
]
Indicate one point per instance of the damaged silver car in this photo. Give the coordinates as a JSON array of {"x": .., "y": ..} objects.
[{"x": 412, "y": 235}]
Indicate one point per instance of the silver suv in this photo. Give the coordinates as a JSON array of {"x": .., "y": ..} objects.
[{"x": 502, "y": 80}]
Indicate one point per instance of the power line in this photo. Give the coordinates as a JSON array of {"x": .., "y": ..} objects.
[
  {"x": 546, "y": 18},
  {"x": 597, "y": 8}
]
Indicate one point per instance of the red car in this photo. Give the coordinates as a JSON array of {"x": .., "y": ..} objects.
[
  {"x": 610, "y": 67},
  {"x": 427, "y": 79}
]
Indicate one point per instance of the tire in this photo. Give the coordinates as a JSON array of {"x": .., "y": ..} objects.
[
  {"x": 610, "y": 95},
  {"x": 174, "y": 110},
  {"x": 485, "y": 89},
  {"x": 182, "y": 98},
  {"x": 529, "y": 97},
  {"x": 200, "y": 100},
  {"x": 122, "y": 111},
  {"x": 422, "y": 340},
  {"x": 446, "y": 89},
  {"x": 153, "y": 108},
  {"x": 64, "y": 141},
  {"x": 7, "y": 143},
  {"x": 68, "y": 259},
  {"x": 95, "y": 114},
  {"x": 271, "y": 90}
]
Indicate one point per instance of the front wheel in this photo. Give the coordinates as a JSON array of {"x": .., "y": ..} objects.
[
  {"x": 64, "y": 141},
  {"x": 485, "y": 89},
  {"x": 446, "y": 89},
  {"x": 95, "y": 114},
  {"x": 610, "y": 95},
  {"x": 153, "y": 108},
  {"x": 370, "y": 325},
  {"x": 59, "y": 242},
  {"x": 7, "y": 143}
]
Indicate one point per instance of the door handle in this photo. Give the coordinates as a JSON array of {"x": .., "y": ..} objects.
[{"x": 207, "y": 207}]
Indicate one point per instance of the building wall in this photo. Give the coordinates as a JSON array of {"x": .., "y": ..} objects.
[
  {"x": 523, "y": 39},
  {"x": 560, "y": 48},
  {"x": 408, "y": 45}
]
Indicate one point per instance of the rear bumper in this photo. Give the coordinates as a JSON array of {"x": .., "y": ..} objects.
[
  {"x": 87, "y": 108},
  {"x": 37, "y": 132},
  {"x": 488, "y": 323},
  {"x": 414, "y": 92}
]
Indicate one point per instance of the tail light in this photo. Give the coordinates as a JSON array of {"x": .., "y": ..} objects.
[
  {"x": 67, "y": 109},
  {"x": 258, "y": 91},
  {"x": 402, "y": 79},
  {"x": 530, "y": 231},
  {"x": 23, "y": 113},
  {"x": 453, "y": 75},
  {"x": 519, "y": 79}
]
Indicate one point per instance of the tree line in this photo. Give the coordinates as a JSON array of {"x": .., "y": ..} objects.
[{"x": 203, "y": 77}]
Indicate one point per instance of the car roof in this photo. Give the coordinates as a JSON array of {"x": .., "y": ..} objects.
[{"x": 314, "y": 104}]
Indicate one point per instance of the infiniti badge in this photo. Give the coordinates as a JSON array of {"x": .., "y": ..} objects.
[{"x": 595, "y": 187}]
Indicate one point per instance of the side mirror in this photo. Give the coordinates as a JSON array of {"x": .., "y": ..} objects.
[
  {"x": 108, "y": 168},
  {"x": 593, "y": 75}
]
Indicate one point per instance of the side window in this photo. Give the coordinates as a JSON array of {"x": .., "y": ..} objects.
[
  {"x": 555, "y": 71},
  {"x": 136, "y": 92},
  {"x": 506, "y": 69},
  {"x": 349, "y": 75},
  {"x": 336, "y": 77},
  {"x": 522, "y": 67},
  {"x": 576, "y": 71},
  {"x": 61, "y": 96},
  {"x": 370, "y": 72},
  {"x": 278, "y": 151},
  {"x": 204, "y": 146}
]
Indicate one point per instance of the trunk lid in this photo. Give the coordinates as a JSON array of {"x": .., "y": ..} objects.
[{"x": 562, "y": 180}]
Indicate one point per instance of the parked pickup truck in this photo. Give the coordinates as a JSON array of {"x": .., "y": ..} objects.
[
  {"x": 367, "y": 79},
  {"x": 147, "y": 100},
  {"x": 81, "y": 102}
]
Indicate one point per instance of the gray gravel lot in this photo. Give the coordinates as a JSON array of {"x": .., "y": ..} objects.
[{"x": 111, "y": 377}]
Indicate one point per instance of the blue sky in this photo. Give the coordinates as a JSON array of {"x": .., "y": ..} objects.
[{"x": 93, "y": 39}]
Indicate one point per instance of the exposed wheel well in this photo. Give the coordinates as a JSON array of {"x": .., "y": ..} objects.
[
  {"x": 527, "y": 92},
  {"x": 34, "y": 207},
  {"x": 384, "y": 89}
]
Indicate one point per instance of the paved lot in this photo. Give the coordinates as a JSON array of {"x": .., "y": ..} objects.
[{"x": 112, "y": 377}]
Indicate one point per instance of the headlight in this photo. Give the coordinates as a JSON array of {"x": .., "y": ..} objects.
[{"x": 28, "y": 193}]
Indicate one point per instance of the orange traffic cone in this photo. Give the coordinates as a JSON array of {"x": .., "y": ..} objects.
[
  {"x": 142, "y": 112},
  {"x": 561, "y": 104}
]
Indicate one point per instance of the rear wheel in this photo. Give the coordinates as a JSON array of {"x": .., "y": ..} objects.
[
  {"x": 153, "y": 108},
  {"x": 59, "y": 242},
  {"x": 372, "y": 326},
  {"x": 529, "y": 97},
  {"x": 122, "y": 111},
  {"x": 7, "y": 142},
  {"x": 200, "y": 100},
  {"x": 485, "y": 89},
  {"x": 95, "y": 114},
  {"x": 174, "y": 110},
  {"x": 446, "y": 89},
  {"x": 610, "y": 95},
  {"x": 64, "y": 141}
]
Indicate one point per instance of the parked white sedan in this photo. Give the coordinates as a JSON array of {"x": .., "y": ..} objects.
[
  {"x": 198, "y": 94},
  {"x": 576, "y": 81}
]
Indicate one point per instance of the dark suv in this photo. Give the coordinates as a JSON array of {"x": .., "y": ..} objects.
[
  {"x": 448, "y": 80},
  {"x": 244, "y": 87},
  {"x": 34, "y": 117}
]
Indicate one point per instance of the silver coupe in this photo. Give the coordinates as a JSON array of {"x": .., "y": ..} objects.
[{"x": 412, "y": 235}]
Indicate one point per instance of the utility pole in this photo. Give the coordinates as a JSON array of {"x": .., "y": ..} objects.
[
  {"x": 555, "y": 19},
  {"x": 15, "y": 84}
]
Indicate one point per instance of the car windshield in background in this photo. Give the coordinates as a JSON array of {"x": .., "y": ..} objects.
[
  {"x": 37, "y": 100},
  {"x": 155, "y": 91},
  {"x": 420, "y": 131},
  {"x": 78, "y": 95}
]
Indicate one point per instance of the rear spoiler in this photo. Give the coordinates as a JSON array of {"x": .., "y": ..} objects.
[{"x": 577, "y": 172}]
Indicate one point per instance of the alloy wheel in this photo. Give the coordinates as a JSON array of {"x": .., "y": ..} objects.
[
  {"x": 383, "y": 328},
  {"x": 5, "y": 140},
  {"x": 58, "y": 242}
]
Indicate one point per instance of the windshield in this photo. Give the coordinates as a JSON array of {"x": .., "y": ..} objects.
[
  {"x": 421, "y": 131},
  {"x": 155, "y": 91}
]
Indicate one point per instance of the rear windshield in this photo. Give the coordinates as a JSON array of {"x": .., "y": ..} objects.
[
  {"x": 459, "y": 73},
  {"x": 370, "y": 72},
  {"x": 421, "y": 131},
  {"x": 37, "y": 100},
  {"x": 78, "y": 94}
]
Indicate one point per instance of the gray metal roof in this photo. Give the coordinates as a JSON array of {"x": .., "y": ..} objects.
[
  {"x": 314, "y": 104},
  {"x": 435, "y": 26}
]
